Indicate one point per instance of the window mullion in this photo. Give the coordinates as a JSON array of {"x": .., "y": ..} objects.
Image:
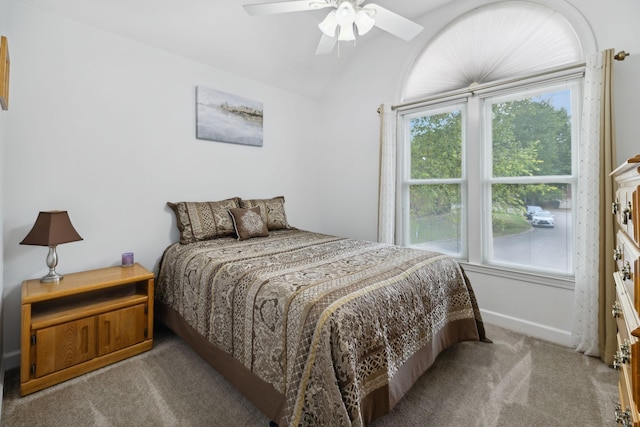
[{"x": 474, "y": 181}]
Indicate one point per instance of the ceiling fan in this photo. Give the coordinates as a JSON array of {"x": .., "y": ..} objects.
[{"x": 339, "y": 25}]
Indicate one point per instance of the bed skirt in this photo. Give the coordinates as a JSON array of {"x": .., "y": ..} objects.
[{"x": 270, "y": 402}]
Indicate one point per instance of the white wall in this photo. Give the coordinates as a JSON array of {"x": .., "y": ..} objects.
[
  {"x": 4, "y": 9},
  {"x": 105, "y": 128},
  {"x": 375, "y": 75}
]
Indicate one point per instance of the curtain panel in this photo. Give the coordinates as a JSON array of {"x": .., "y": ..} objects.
[
  {"x": 594, "y": 330},
  {"x": 387, "y": 176}
]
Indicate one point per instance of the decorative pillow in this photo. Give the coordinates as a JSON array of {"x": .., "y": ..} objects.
[
  {"x": 272, "y": 211},
  {"x": 204, "y": 220},
  {"x": 248, "y": 223}
]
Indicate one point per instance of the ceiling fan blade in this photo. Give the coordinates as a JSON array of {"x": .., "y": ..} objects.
[
  {"x": 393, "y": 23},
  {"x": 326, "y": 45},
  {"x": 285, "y": 7}
]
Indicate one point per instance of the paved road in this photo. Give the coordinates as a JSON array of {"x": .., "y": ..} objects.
[{"x": 548, "y": 248}]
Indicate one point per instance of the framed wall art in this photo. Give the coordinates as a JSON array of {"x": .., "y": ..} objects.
[
  {"x": 224, "y": 117},
  {"x": 4, "y": 73}
]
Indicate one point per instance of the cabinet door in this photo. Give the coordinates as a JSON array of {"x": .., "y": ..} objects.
[
  {"x": 121, "y": 328},
  {"x": 61, "y": 346}
]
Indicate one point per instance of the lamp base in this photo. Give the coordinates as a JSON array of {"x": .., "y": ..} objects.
[
  {"x": 52, "y": 277},
  {"x": 52, "y": 261}
]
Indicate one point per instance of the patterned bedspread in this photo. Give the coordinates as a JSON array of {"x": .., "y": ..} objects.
[{"x": 327, "y": 321}]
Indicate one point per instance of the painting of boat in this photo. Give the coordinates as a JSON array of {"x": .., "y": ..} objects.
[{"x": 224, "y": 117}]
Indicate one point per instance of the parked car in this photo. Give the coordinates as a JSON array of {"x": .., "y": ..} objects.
[
  {"x": 531, "y": 209},
  {"x": 542, "y": 219}
]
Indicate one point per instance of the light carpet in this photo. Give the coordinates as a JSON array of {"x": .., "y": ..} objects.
[{"x": 515, "y": 381}]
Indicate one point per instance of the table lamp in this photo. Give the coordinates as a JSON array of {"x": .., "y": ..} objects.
[{"x": 51, "y": 229}]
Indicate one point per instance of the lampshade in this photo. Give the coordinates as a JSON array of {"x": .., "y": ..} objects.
[
  {"x": 52, "y": 228},
  {"x": 346, "y": 32},
  {"x": 364, "y": 22},
  {"x": 329, "y": 24},
  {"x": 345, "y": 15}
]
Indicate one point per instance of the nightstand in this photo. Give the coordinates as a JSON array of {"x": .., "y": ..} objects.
[{"x": 86, "y": 321}]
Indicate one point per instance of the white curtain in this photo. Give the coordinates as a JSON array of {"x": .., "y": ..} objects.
[
  {"x": 585, "y": 322},
  {"x": 593, "y": 326},
  {"x": 387, "y": 177}
]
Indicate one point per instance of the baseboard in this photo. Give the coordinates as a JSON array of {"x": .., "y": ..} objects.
[
  {"x": 536, "y": 330},
  {"x": 11, "y": 360}
]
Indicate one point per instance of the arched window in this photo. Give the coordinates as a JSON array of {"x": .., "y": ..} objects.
[
  {"x": 487, "y": 138},
  {"x": 495, "y": 42}
]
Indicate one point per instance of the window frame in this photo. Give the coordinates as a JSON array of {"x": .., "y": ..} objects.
[
  {"x": 406, "y": 181},
  {"x": 476, "y": 181}
]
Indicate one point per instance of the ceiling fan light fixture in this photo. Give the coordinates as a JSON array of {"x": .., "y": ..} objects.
[
  {"x": 345, "y": 13},
  {"x": 346, "y": 33},
  {"x": 364, "y": 22},
  {"x": 329, "y": 24},
  {"x": 350, "y": 15}
]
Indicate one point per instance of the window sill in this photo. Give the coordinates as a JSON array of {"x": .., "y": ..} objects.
[{"x": 523, "y": 276}]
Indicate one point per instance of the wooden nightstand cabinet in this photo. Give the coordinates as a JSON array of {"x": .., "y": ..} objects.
[{"x": 86, "y": 321}]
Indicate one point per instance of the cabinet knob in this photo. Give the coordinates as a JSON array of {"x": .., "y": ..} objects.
[
  {"x": 616, "y": 309},
  {"x": 617, "y": 253},
  {"x": 622, "y": 417},
  {"x": 626, "y": 214},
  {"x": 626, "y": 271},
  {"x": 625, "y": 350},
  {"x": 615, "y": 206},
  {"x": 622, "y": 356},
  {"x": 618, "y": 361}
]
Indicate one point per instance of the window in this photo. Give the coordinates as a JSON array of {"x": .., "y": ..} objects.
[
  {"x": 529, "y": 146},
  {"x": 435, "y": 187},
  {"x": 488, "y": 139},
  {"x": 491, "y": 177}
]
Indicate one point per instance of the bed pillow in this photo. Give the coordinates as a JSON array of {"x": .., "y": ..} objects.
[
  {"x": 272, "y": 211},
  {"x": 248, "y": 223},
  {"x": 204, "y": 220}
]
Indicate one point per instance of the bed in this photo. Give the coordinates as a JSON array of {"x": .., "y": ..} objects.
[{"x": 314, "y": 329}]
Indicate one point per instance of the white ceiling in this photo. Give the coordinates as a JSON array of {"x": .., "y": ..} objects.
[{"x": 278, "y": 49}]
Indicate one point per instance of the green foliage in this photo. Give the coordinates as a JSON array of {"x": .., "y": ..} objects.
[
  {"x": 530, "y": 137},
  {"x": 433, "y": 199},
  {"x": 505, "y": 224},
  {"x": 436, "y": 146},
  {"x": 435, "y": 228}
]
